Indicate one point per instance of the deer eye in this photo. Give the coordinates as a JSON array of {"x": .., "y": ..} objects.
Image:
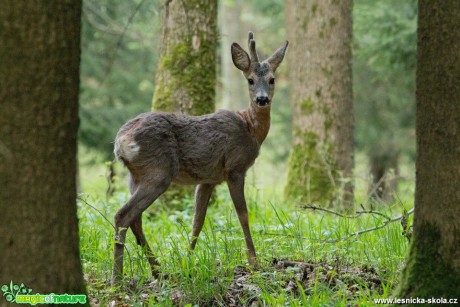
[
  {"x": 251, "y": 81},
  {"x": 271, "y": 81}
]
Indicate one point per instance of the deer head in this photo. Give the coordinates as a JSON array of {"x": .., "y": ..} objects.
[{"x": 260, "y": 75}]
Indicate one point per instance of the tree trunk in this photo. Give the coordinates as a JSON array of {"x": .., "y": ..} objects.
[
  {"x": 383, "y": 161},
  {"x": 233, "y": 95},
  {"x": 39, "y": 87},
  {"x": 433, "y": 267},
  {"x": 321, "y": 161},
  {"x": 186, "y": 74}
]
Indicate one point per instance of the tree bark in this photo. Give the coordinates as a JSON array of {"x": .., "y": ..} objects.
[
  {"x": 383, "y": 161},
  {"x": 39, "y": 87},
  {"x": 433, "y": 266},
  {"x": 321, "y": 161},
  {"x": 233, "y": 95},
  {"x": 186, "y": 74}
]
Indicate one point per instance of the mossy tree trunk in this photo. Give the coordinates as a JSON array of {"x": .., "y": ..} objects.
[
  {"x": 185, "y": 81},
  {"x": 433, "y": 266},
  {"x": 39, "y": 87},
  {"x": 321, "y": 161},
  {"x": 186, "y": 74}
]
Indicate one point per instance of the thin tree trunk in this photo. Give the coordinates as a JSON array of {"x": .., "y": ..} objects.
[
  {"x": 383, "y": 160},
  {"x": 233, "y": 95},
  {"x": 39, "y": 86},
  {"x": 433, "y": 266},
  {"x": 321, "y": 161}
]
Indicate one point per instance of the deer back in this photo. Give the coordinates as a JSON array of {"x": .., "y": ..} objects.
[{"x": 192, "y": 149}]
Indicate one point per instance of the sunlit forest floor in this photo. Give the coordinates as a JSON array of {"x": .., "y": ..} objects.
[{"x": 303, "y": 259}]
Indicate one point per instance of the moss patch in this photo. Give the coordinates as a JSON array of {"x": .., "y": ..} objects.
[
  {"x": 310, "y": 171},
  {"x": 307, "y": 106},
  {"x": 191, "y": 78},
  {"x": 426, "y": 274}
]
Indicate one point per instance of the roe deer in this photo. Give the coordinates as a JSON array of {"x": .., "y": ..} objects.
[{"x": 160, "y": 148}]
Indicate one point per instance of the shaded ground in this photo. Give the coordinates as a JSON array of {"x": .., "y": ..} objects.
[
  {"x": 297, "y": 276},
  {"x": 291, "y": 277}
]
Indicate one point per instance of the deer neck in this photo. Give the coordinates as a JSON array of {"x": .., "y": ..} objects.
[{"x": 258, "y": 121}]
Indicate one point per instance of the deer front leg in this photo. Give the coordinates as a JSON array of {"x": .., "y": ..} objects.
[
  {"x": 235, "y": 184},
  {"x": 202, "y": 195}
]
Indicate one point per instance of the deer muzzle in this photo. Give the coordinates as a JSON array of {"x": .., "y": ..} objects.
[{"x": 262, "y": 101}]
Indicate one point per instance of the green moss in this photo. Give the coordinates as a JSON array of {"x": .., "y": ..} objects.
[
  {"x": 192, "y": 74},
  {"x": 310, "y": 171},
  {"x": 306, "y": 106},
  {"x": 426, "y": 273},
  {"x": 332, "y": 22},
  {"x": 318, "y": 92},
  {"x": 314, "y": 8}
]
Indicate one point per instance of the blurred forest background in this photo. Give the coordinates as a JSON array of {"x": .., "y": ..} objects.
[{"x": 120, "y": 49}]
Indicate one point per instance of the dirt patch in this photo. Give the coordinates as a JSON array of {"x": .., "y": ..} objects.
[{"x": 299, "y": 276}]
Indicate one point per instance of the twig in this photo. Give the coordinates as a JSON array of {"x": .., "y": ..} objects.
[
  {"x": 353, "y": 216},
  {"x": 388, "y": 220},
  {"x": 370, "y": 229},
  {"x": 98, "y": 211},
  {"x": 312, "y": 207}
]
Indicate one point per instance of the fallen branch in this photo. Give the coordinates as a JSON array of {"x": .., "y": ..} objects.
[
  {"x": 403, "y": 218},
  {"x": 352, "y": 216}
]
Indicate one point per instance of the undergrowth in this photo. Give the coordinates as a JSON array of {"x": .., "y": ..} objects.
[{"x": 298, "y": 264}]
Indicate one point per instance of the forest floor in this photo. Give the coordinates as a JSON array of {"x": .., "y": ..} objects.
[
  {"x": 306, "y": 257},
  {"x": 296, "y": 278}
]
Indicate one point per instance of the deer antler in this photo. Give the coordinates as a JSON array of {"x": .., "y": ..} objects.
[{"x": 252, "y": 48}]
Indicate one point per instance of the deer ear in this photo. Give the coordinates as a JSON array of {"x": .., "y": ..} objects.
[
  {"x": 275, "y": 60},
  {"x": 240, "y": 58}
]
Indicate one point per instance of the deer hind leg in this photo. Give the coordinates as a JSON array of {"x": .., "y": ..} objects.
[
  {"x": 202, "y": 195},
  {"x": 136, "y": 227},
  {"x": 235, "y": 184},
  {"x": 145, "y": 194}
]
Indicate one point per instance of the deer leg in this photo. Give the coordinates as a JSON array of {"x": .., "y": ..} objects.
[
  {"x": 136, "y": 227},
  {"x": 235, "y": 184},
  {"x": 142, "y": 198},
  {"x": 202, "y": 195}
]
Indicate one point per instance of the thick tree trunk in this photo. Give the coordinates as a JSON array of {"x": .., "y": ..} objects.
[
  {"x": 39, "y": 86},
  {"x": 321, "y": 161},
  {"x": 433, "y": 267}
]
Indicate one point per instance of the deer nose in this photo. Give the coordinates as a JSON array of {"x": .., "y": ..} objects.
[{"x": 262, "y": 100}]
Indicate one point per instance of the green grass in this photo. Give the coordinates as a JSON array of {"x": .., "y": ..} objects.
[{"x": 217, "y": 273}]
